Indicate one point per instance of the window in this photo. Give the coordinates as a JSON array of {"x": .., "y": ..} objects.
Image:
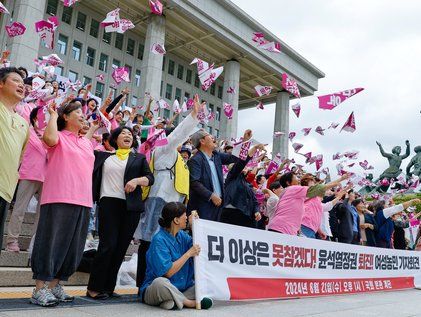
[
  {"x": 130, "y": 47},
  {"x": 187, "y": 95},
  {"x": 103, "y": 62},
  {"x": 140, "y": 51},
  {"x": 168, "y": 92},
  {"x": 209, "y": 129},
  {"x": 72, "y": 76},
  {"x": 197, "y": 81},
  {"x": 163, "y": 63},
  {"x": 178, "y": 94},
  {"x": 189, "y": 76},
  {"x": 180, "y": 72},
  {"x": 119, "y": 41},
  {"x": 167, "y": 113},
  {"x": 106, "y": 37},
  {"x": 90, "y": 56},
  {"x": 58, "y": 71},
  {"x": 99, "y": 89},
  {"x": 116, "y": 63},
  {"x": 134, "y": 101},
  {"x": 67, "y": 15},
  {"x": 130, "y": 70},
  {"x": 217, "y": 133},
  {"x": 220, "y": 92},
  {"x": 137, "y": 78},
  {"x": 211, "y": 107},
  {"x": 212, "y": 89},
  {"x": 81, "y": 21},
  {"x": 62, "y": 44},
  {"x": 217, "y": 114},
  {"x": 52, "y": 7},
  {"x": 86, "y": 80},
  {"x": 162, "y": 87},
  {"x": 171, "y": 66},
  {"x": 94, "y": 30},
  {"x": 76, "y": 50}
]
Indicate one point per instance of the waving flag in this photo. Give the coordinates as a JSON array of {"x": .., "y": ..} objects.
[
  {"x": 331, "y": 101},
  {"x": 290, "y": 85},
  {"x": 349, "y": 125},
  {"x": 296, "y": 109}
]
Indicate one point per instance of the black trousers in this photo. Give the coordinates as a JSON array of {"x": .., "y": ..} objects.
[
  {"x": 4, "y": 207},
  {"x": 59, "y": 241},
  {"x": 116, "y": 228},
  {"x": 236, "y": 217},
  {"x": 141, "y": 262}
]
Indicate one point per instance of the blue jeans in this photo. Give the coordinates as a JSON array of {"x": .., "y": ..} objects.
[
  {"x": 148, "y": 224},
  {"x": 306, "y": 231}
]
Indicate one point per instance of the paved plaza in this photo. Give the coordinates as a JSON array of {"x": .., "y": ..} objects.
[{"x": 400, "y": 303}]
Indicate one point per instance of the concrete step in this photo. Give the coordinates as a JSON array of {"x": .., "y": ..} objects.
[
  {"x": 13, "y": 259},
  {"x": 27, "y": 229},
  {"x": 12, "y": 276},
  {"x": 23, "y": 241},
  {"x": 28, "y": 218}
]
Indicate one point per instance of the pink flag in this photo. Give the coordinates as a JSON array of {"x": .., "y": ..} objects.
[
  {"x": 297, "y": 147},
  {"x": 37, "y": 83},
  {"x": 326, "y": 171},
  {"x": 291, "y": 135},
  {"x": 228, "y": 110},
  {"x": 111, "y": 18},
  {"x": 364, "y": 164},
  {"x": 349, "y": 125},
  {"x": 260, "y": 106},
  {"x": 351, "y": 165},
  {"x": 306, "y": 131},
  {"x": 3, "y": 9},
  {"x": 259, "y": 37},
  {"x": 49, "y": 70},
  {"x": 231, "y": 90},
  {"x": 273, "y": 47},
  {"x": 263, "y": 90},
  {"x": 319, "y": 161},
  {"x": 156, "y": 7},
  {"x": 100, "y": 77},
  {"x": 307, "y": 156},
  {"x": 337, "y": 156},
  {"x": 54, "y": 21},
  {"x": 125, "y": 25},
  {"x": 189, "y": 104},
  {"x": 52, "y": 59},
  {"x": 15, "y": 29},
  {"x": 297, "y": 109},
  {"x": 45, "y": 31},
  {"x": 158, "y": 49},
  {"x": 43, "y": 116},
  {"x": 290, "y": 85},
  {"x": 320, "y": 130},
  {"x": 69, "y": 3},
  {"x": 113, "y": 23},
  {"x": 163, "y": 104},
  {"x": 211, "y": 116},
  {"x": 352, "y": 155},
  {"x": 333, "y": 100},
  {"x": 207, "y": 74},
  {"x": 277, "y": 134},
  {"x": 176, "y": 106},
  {"x": 121, "y": 74},
  {"x": 333, "y": 125}
]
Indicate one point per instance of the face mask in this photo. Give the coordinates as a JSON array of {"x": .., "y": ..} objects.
[{"x": 126, "y": 117}]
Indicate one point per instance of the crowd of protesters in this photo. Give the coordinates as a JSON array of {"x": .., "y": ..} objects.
[{"x": 131, "y": 187}]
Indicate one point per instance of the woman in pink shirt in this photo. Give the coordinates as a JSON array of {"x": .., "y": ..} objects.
[
  {"x": 31, "y": 178},
  {"x": 290, "y": 208},
  {"x": 65, "y": 203}
]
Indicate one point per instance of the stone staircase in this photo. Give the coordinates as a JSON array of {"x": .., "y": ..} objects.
[{"x": 15, "y": 268}]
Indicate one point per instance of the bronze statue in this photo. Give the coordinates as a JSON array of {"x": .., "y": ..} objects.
[
  {"x": 416, "y": 163},
  {"x": 395, "y": 161}
]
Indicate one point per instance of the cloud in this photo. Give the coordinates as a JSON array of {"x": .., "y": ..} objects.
[{"x": 372, "y": 44}]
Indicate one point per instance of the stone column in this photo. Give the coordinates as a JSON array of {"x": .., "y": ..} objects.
[
  {"x": 151, "y": 68},
  {"x": 280, "y": 144},
  {"x": 25, "y": 47},
  {"x": 228, "y": 128}
]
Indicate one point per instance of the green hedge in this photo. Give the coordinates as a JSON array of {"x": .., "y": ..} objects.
[{"x": 398, "y": 199}]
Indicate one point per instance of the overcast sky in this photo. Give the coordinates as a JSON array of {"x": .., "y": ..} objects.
[{"x": 372, "y": 44}]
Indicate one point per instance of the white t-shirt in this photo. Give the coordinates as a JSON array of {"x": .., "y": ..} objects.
[{"x": 112, "y": 184}]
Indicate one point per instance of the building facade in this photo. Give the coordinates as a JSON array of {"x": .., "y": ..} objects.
[{"x": 215, "y": 31}]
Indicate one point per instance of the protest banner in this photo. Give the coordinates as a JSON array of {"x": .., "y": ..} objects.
[{"x": 238, "y": 263}]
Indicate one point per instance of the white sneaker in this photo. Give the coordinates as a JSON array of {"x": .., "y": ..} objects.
[
  {"x": 43, "y": 297},
  {"x": 60, "y": 294}
]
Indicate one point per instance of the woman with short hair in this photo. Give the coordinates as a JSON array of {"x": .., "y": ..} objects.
[
  {"x": 169, "y": 281},
  {"x": 117, "y": 181},
  {"x": 65, "y": 203}
]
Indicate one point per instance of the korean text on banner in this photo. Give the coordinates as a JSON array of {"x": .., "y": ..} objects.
[{"x": 237, "y": 263}]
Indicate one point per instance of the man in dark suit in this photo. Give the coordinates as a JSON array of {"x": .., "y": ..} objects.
[{"x": 206, "y": 179}]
